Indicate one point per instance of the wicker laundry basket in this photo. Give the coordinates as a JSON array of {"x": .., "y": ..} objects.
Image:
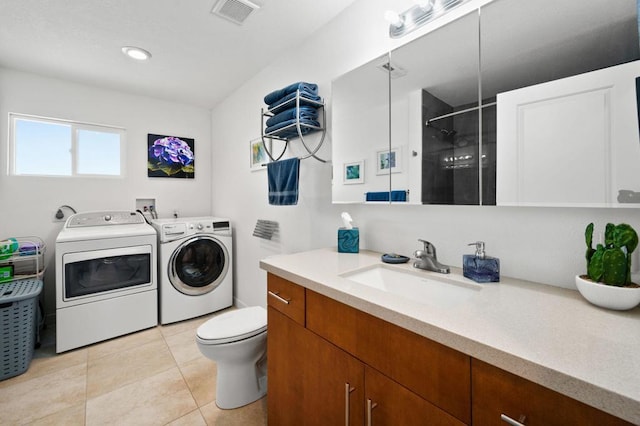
[{"x": 18, "y": 325}]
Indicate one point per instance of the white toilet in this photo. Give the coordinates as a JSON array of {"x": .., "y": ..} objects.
[{"x": 237, "y": 342}]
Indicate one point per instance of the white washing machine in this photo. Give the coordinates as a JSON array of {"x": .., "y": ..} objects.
[{"x": 195, "y": 267}]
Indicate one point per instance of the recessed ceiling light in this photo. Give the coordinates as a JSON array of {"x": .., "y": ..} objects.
[{"x": 136, "y": 53}]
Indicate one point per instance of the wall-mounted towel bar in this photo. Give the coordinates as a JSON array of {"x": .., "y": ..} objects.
[
  {"x": 296, "y": 127},
  {"x": 265, "y": 229}
]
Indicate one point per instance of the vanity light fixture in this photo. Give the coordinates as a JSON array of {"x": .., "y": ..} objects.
[
  {"x": 136, "y": 53},
  {"x": 424, "y": 4},
  {"x": 393, "y": 18},
  {"x": 424, "y": 11}
]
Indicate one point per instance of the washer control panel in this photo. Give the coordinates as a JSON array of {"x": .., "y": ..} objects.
[
  {"x": 209, "y": 226},
  {"x": 174, "y": 230}
]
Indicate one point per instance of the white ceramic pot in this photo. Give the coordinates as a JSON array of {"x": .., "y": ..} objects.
[{"x": 608, "y": 296}]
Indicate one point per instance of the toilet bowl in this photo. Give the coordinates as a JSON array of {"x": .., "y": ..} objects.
[{"x": 237, "y": 342}]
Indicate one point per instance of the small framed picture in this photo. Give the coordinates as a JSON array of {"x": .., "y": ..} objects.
[
  {"x": 388, "y": 161},
  {"x": 353, "y": 172},
  {"x": 258, "y": 156}
]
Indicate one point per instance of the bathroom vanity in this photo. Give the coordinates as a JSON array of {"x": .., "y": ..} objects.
[{"x": 344, "y": 352}]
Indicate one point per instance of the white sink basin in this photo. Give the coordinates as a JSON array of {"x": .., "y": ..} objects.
[{"x": 415, "y": 285}]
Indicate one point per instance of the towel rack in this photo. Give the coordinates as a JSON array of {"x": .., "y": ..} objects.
[{"x": 300, "y": 128}]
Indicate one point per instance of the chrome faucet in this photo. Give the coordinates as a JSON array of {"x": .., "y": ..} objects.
[{"x": 427, "y": 259}]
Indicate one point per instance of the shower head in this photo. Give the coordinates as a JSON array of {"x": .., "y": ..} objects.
[
  {"x": 448, "y": 133},
  {"x": 444, "y": 132}
]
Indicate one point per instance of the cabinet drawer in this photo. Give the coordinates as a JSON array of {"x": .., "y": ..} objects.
[
  {"x": 497, "y": 392},
  {"x": 286, "y": 297},
  {"x": 439, "y": 374},
  {"x": 332, "y": 320}
]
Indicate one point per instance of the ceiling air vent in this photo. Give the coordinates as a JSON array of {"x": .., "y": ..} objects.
[{"x": 234, "y": 10}]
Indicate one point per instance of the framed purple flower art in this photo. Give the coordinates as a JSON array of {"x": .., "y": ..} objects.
[{"x": 170, "y": 156}]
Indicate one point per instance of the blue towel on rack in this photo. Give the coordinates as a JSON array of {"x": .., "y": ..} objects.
[
  {"x": 384, "y": 196},
  {"x": 283, "y": 103},
  {"x": 283, "y": 179},
  {"x": 281, "y": 93},
  {"x": 288, "y": 134},
  {"x": 273, "y": 130},
  {"x": 305, "y": 113}
]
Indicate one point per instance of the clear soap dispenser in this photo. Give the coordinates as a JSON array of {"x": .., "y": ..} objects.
[{"x": 480, "y": 267}]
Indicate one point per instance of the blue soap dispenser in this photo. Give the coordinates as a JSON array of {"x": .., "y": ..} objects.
[{"x": 480, "y": 267}]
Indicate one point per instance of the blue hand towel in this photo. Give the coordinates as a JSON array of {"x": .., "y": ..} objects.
[
  {"x": 305, "y": 113},
  {"x": 384, "y": 196},
  {"x": 283, "y": 179},
  {"x": 398, "y": 195},
  {"x": 279, "y": 105},
  {"x": 277, "y": 94}
]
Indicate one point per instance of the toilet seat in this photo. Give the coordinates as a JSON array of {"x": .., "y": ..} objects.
[{"x": 233, "y": 326}]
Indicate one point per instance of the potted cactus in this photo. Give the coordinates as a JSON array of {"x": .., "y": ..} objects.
[{"x": 608, "y": 280}]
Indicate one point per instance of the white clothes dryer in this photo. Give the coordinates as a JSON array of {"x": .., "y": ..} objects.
[
  {"x": 106, "y": 278},
  {"x": 195, "y": 267}
]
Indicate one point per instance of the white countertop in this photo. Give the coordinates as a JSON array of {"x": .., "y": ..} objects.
[{"x": 549, "y": 335}]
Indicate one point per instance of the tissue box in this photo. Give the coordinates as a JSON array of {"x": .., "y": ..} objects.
[{"x": 348, "y": 240}]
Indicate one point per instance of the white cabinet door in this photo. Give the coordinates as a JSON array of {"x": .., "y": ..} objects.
[{"x": 571, "y": 142}]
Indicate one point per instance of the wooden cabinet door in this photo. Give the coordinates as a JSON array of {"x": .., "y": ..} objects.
[
  {"x": 285, "y": 362},
  {"x": 497, "y": 393},
  {"x": 388, "y": 403},
  {"x": 311, "y": 381},
  {"x": 333, "y": 385}
]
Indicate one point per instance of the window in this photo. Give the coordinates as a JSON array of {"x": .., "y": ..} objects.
[{"x": 49, "y": 147}]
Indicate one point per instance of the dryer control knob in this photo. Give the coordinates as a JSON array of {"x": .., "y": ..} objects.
[
  {"x": 200, "y": 227},
  {"x": 107, "y": 217}
]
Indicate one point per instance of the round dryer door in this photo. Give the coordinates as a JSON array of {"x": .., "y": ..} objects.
[{"x": 198, "y": 265}]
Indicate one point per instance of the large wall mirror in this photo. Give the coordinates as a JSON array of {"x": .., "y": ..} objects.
[
  {"x": 519, "y": 103},
  {"x": 360, "y": 116}
]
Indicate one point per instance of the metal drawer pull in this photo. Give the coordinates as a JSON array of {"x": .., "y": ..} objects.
[
  {"x": 280, "y": 298},
  {"x": 370, "y": 406},
  {"x": 347, "y": 390},
  {"x": 512, "y": 422}
]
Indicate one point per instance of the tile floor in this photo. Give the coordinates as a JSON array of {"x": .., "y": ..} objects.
[{"x": 152, "y": 377}]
